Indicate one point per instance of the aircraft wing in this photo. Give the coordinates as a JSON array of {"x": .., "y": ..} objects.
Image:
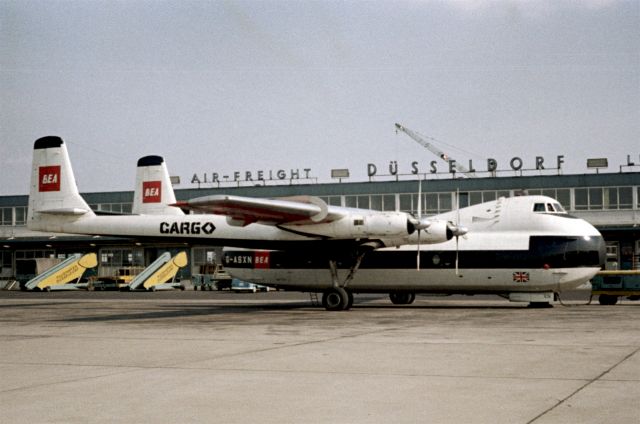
[{"x": 246, "y": 210}]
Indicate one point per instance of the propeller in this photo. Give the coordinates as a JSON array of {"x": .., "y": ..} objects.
[
  {"x": 456, "y": 229},
  {"x": 418, "y": 226},
  {"x": 420, "y": 223}
]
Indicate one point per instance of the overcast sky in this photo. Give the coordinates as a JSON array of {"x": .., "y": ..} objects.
[{"x": 266, "y": 85}]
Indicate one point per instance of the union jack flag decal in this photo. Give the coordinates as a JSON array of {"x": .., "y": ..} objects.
[{"x": 521, "y": 277}]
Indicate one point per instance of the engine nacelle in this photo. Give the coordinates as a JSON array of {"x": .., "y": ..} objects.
[
  {"x": 355, "y": 226},
  {"x": 437, "y": 232}
]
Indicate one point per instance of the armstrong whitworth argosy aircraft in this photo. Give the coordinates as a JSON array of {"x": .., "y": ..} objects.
[
  {"x": 301, "y": 223},
  {"x": 524, "y": 248}
]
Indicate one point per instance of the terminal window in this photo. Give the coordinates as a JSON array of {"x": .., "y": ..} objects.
[
  {"x": 598, "y": 198},
  {"x": 407, "y": 201},
  {"x": 6, "y": 216},
  {"x": 622, "y": 196},
  {"x": 364, "y": 202},
  {"x": 125, "y": 208},
  {"x": 13, "y": 216},
  {"x": 21, "y": 215}
]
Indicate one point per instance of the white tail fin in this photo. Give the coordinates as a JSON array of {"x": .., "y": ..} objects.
[
  {"x": 53, "y": 194},
  {"x": 154, "y": 193}
]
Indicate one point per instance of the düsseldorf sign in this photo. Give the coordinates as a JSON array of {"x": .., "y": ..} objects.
[{"x": 516, "y": 164}]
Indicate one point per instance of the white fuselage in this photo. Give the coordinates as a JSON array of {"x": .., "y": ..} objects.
[
  {"x": 55, "y": 205},
  {"x": 509, "y": 248},
  {"x": 216, "y": 230},
  {"x": 467, "y": 281}
]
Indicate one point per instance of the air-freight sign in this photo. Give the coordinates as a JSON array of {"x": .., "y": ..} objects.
[
  {"x": 251, "y": 176},
  {"x": 49, "y": 178}
]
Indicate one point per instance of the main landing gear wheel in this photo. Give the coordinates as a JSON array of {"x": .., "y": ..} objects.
[
  {"x": 350, "y": 301},
  {"x": 337, "y": 299},
  {"x": 540, "y": 305},
  {"x": 402, "y": 298},
  {"x": 607, "y": 299}
]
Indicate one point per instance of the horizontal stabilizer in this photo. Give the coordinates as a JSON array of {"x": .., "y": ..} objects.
[{"x": 65, "y": 211}]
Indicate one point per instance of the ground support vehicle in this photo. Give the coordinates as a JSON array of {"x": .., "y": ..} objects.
[
  {"x": 202, "y": 281},
  {"x": 212, "y": 276},
  {"x": 609, "y": 286}
]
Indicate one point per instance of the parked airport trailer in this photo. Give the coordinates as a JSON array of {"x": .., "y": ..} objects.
[
  {"x": 611, "y": 285},
  {"x": 211, "y": 276},
  {"x": 115, "y": 282},
  {"x": 66, "y": 275}
]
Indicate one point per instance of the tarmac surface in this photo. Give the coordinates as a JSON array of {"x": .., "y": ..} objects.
[{"x": 192, "y": 357}]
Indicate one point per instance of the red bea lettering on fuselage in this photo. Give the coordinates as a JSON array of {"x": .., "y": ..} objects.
[
  {"x": 151, "y": 191},
  {"x": 261, "y": 260},
  {"x": 49, "y": 178},
  {"x": 257, "y": 259}
]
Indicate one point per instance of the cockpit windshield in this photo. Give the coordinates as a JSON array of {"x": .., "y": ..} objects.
[{"x": 548, "y": 208}]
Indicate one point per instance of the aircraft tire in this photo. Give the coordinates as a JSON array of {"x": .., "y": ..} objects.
[
  {"x": 335, "y": 299},
  {"x": 540, "y": 305},
  {"x": 402, "y": 298},
  {"x": 607, "y": 299},
  {"x": 350, "y": 301}
]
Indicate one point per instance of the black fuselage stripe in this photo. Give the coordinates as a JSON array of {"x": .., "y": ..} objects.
[{"x": 552, "y": 252}]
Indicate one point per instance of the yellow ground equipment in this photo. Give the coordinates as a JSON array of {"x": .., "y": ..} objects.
[
  {"x": 161, "y": 273},
  {"x": 61, "y": 276}
]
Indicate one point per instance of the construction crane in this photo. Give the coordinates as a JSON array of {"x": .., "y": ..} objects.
[{"x": 422, "y": 140}]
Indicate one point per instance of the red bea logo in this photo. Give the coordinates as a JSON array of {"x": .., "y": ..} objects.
[
  {"x": 151, "y": 192},
  {"x": 49, "y": 178},
  {"x": 261, "y": 260}
]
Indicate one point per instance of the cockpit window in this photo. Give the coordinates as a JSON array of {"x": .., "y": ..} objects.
[
  {"x": 559, "y": 208},
  {"x": 539, "y": 207},
  {"x": 549, "y": 208}
]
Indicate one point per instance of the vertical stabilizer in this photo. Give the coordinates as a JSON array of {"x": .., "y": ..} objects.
[
  {"x": 53, "y": 194},
  {"x": 154, "y": 192}
]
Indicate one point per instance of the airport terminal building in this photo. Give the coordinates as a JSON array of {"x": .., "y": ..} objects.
[{"x": 609, "y": 201}]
